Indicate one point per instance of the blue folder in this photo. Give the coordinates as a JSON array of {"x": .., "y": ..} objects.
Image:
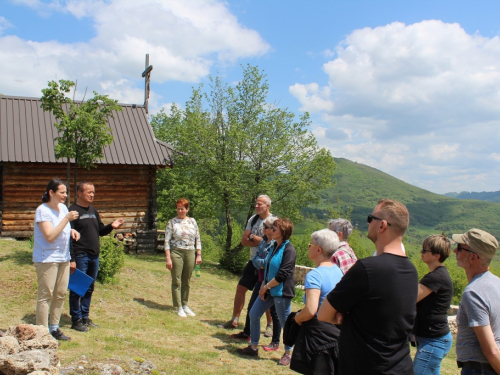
[{"x": 79, "y": 282}]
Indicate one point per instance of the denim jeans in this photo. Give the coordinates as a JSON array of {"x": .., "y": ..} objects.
[
  {"x": 430, "y": 353},
  {"x": 283, "y": 307},
  {"x": 79, "y": 307},
  {"x": 468, "y": 371},
  {"x": 274, "y": 315}
]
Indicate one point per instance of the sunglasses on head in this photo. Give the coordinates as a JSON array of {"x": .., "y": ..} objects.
[{"x": 370, "y": 218}]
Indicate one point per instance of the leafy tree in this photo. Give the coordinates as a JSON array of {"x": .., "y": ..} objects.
[
  {"x": 82, "y": 127},
  {"x": 235, "y": 146}
]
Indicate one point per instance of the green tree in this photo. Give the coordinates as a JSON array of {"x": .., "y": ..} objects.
[
  {"x": 234, "y": 146},
  {"x": 82, "y": 127}
]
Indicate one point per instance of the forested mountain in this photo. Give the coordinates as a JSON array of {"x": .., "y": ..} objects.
[
  {"x": 359, "y": 187},
  {"x": 489, "y": 196}
]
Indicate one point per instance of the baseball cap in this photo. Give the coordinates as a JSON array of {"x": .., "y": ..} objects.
[{"x": 481, "y": 242}]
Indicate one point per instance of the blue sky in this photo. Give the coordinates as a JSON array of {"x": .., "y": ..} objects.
[{"x": 409, "y": 87}]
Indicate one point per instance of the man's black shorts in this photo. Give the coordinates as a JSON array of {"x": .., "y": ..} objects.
[{"x": 249, "y": 276}]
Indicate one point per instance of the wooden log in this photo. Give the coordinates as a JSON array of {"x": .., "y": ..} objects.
[
  {"x": 146, "y": 240},
  {"x": 17, "y": 234}
]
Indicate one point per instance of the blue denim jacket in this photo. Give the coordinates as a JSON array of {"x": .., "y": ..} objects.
[{"x": 259, "y": 259}]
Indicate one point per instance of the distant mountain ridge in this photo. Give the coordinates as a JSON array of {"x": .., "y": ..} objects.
[
  {"x": 359, "y": 187},
  {"x": 489, "y": 196}
]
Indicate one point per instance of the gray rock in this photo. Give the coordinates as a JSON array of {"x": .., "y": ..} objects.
[
  {"x": 8, "y": 346},
  {"x": 27, "y": 362},
  {"x": 109, "y": 369},
  {"x": 32, "y": 337}
]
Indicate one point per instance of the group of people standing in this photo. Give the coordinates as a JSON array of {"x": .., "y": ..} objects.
[
  {"x": 358, "y": 315},
  {"x": 66, "y": 240}
]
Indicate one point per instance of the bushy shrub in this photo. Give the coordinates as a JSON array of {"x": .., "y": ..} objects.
[
  {"x": 111, "y": 259},
  {"x": 301, "y": 242}
]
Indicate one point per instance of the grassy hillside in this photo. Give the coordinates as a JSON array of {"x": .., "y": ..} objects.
[
  {"x": 359, "y": 187},
  {"x": 137, "y": 320}
]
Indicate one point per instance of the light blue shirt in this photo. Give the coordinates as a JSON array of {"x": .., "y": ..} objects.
[
  {"x": 56, "y": 251},
  {"x": 323, "y": 278}
]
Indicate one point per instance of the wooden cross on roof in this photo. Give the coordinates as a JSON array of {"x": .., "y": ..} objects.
[{"x": 147, "y": 76}]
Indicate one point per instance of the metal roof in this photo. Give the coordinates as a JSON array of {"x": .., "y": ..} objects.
[{"x": 27, "y": 134}]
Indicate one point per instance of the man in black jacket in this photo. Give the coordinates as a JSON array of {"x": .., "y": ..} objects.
[{"x": 85, "y": 252}]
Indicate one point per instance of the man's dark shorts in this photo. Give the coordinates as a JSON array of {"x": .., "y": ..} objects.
[{"x": 249, "y": 277}]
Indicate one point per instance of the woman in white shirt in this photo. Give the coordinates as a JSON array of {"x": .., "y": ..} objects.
[
  {"x": 182, "y": 252},
  {"x": 52, "y": 233}
]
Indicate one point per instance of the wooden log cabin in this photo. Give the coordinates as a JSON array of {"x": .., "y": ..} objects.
[{"x": 125, "y": 180}]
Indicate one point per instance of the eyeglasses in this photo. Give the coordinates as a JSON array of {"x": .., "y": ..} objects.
[
  {"x": 460, "y": 248},
  {"x": 265, "y": 226},
  {"x": 275, "y": 229},
  {"x": 370, "y": 218},
  {"x": 423, "y": 251}
]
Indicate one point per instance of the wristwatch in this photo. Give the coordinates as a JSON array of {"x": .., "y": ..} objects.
[{"x": 250, "y": 237}]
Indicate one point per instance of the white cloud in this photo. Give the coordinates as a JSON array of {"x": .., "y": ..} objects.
[
  {"x": 4, "y": 24},
  {"x": 313, "y": 97},
  {"x": 185, "y": 39},
  {"x": 422, "y": 99}
]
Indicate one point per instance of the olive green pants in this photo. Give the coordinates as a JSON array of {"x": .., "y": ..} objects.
[{"x": 182, "y": 269}]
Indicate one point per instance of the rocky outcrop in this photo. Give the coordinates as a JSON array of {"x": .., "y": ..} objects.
[
  {"x": 452, "y": 320},
  {"x": 28, "y": 349}
]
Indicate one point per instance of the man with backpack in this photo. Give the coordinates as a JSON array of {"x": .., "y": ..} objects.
[{"x": 251, "y": 237}]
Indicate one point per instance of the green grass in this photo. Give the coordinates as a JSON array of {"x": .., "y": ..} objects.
[{"x": 137, "y": 320}]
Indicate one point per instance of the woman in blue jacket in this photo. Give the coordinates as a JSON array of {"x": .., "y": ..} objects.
[{"x": 278, "y": 287}]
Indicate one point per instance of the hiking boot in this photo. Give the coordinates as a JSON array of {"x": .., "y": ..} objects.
[
  {"x": 285, "y": 360},
  {"x": 269, "y": 331},
  {"x": 181, "y": 313},
  {"x": 272, "y": 347},
  {"x": 228, "y": 325},
  {"x": 89, "y": 323},
  {"x": 241, "y": 336},
  {"x": 249, "y": 351},
  {"x": 188, "y": 311},
  {"x": 79, "y": 325},
  {"x": 58, "y": 335}
]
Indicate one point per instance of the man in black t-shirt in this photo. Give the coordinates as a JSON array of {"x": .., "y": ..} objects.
[
  {"x": 375, "y": 301},
  {"x": 85, "y": 252}
]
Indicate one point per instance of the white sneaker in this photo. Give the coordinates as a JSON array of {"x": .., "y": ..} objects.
[
  {"x": 181, "y": 312},
  {"x": 188, "y": 311}
]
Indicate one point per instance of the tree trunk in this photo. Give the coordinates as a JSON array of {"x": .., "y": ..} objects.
[
  {"x": 229, "y": 224},
  {"x": 68, "y": 187}
]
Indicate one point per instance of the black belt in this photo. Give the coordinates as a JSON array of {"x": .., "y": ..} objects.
[{"x": 475, "y": 366}]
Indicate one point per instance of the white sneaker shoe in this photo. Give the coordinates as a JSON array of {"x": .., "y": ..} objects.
[
  {"x": 181, "y": 312},
  {"x": 188, "y": 311}
]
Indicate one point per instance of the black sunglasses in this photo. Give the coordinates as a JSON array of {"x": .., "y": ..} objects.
[
  {"x": 423, "y": 251},
  {"x": 265, "y": 226},
  {"x": 460, "y": 248},
  {"x": 370, "y": 218}
]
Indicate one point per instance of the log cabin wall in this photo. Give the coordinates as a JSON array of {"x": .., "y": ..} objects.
[{"x": 122, "y": 191}]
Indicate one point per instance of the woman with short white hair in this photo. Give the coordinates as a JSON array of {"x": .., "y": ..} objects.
[{"x": 316, "y": 350}]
